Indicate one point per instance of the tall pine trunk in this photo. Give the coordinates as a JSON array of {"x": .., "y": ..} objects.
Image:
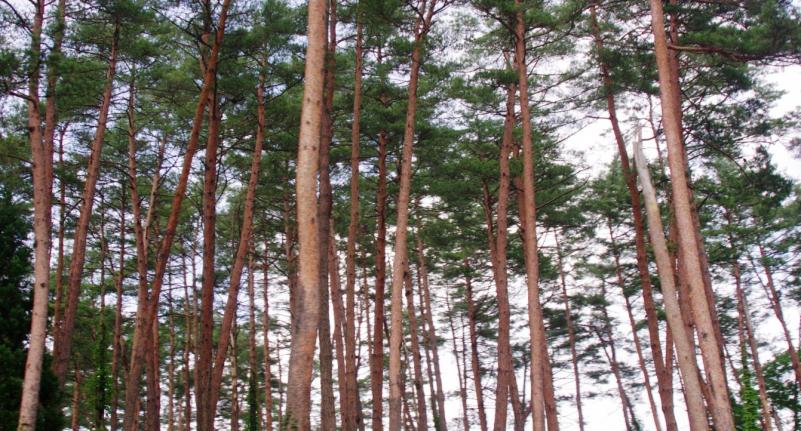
[
  {"x": 422, "y": 416},
  {"x": 652, "y": 320},
  {"x": 400, "y": 258},
  {"x": 203, "y": 389},
  {"x": 62, "y": 345},
  {"x": 116, "y": 346},
  {"x": 146, "y": 310},
  {"x": 305, "y": 322},
  {"x": 682, "y": 335},
  {"x": 528, "y": 216},
  {"x": 324, "y": 234},
  {"x": 377, "y": 357},
  {"x": 350, "y": 415},
  {"x": 689, "y": 237},
  {"x": 268, "y": 390}
]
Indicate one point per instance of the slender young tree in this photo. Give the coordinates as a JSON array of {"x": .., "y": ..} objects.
[{"x": 350, "y": 416}]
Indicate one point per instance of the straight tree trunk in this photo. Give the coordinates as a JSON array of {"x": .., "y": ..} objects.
[
  {"x": 422, "y": 416},
  {"x": 116, "y": 347},
  {"x": 280, "y": 386},
  {"x": 571, "y": 332},
  {"x": 400, "y": 258},
  {"x": 441, "y": 419},
  {"x": 307, "y": 314},
  {"x": 253, "y": 366},
  {"x": 497, "y": 244},
  {"x": 689, "y": 237},
  {"x": 424, "y": 329},
  {"x": 51, "y": 123},
  {"x": 235, "y": 408},
  {"x": 459, "y": 369},
  {"x": 339, "y": 317},
  {"x": 153, "y": 379},
  {"x": 682, "y": 336},
  {"x": 189, "y": 329},
  {"x": 171, "y": 368},
  {"x": 58, "y": 306},
  {"x": 475, "y": 364},
  {"x": 101, "y": 390},
  {"x": 62, "y": 345},
  {"x": 324, "y": 234},
  {"x": 289, "y": 250},
  {"x": 203, "y": 386},
  {"x": 75, "y": 424},
  {"x": 377, "y": 357},
  {"x": 146, "y": 310},
  {"x": 268, "y": 390},
  {"x": 350, "y": 415},
  {"x": 528, "y": 214}
]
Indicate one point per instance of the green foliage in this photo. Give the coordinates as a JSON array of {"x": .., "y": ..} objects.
[
  {"x": 15, "y": 317},
  {"x": 747, "y": 411}
]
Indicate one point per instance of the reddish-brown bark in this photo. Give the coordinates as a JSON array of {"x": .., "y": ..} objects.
[
  {"x": 146, "y": 311},
  {"x": 422, "y": 26}
]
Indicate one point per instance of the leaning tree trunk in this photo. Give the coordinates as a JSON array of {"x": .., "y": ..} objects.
[
  {"x": 229, "y": 313},
  {"x": 633, "y": 323},
  {"x": 62, "y": 345},
  {"x": 307, "y": 312},
  {"x": 665, "y": 392},
  {"x": 400, "y": 258},
  {"x": 146, "y": 311},
  {"x": 689, "y": 236},
  {"x": 682, "y": 336},
  {"x": 774, "y": 299}
]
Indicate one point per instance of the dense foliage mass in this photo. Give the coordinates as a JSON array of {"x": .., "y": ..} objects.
[{"x": 402, "y": 214}]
